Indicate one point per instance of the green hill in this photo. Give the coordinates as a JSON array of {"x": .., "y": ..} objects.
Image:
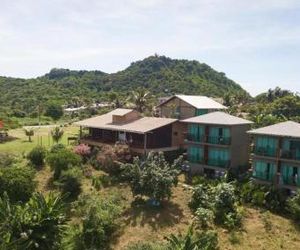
[{"x": 160, "y": 74}]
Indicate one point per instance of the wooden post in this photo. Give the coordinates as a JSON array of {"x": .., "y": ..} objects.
[{"x": 145, "y": 143}]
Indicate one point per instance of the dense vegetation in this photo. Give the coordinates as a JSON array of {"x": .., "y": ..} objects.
[{"x": 160, "y": 75}]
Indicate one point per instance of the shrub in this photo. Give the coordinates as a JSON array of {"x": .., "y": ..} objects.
[
  {"x": 111, "y": 157},
  {"x": 83, "y": 150},
  {"x": 224, "y": 202},
  {"x": 18, "y": 182},
  {"x": 202, "y": 240},
  {"x": 7, "y": 160},
  {"x": 57, "y": 147},
  {"x": 37, "y": 156},
  {"x": 100, "y": 181},
  {"x": 204, "y": 217},
  {"x": 153, "y": 177},
  {"x": 62, "y": 160},
  {"x": 208, "y": 240},
  {"x": 293, "y": 206},
  {"x": 263, "y": 196},
  {"x": 275, "y": 199},
  {"x": 70, "y": 182},
  {"x": 98, "y": 217},
  {"x": 200, "y": 198}
]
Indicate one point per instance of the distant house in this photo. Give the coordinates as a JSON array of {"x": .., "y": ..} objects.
[
  {"x": 217, "y": 141},
  {"x": 276, "y": 155},
  {"x": 186, "y": 106},
  {"x": 141, "y": 134}
]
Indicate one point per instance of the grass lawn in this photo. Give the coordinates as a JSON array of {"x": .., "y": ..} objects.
[{"x": 21, "y": 145}]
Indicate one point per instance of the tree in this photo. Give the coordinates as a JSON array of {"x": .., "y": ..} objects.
[
  {"x": 57, "y": 134},
  {"x": 288, "y": 106},
  {"x": 153, "y": 177},
  {"x": 18, "y": 182},
  {"x": 70, "y": 182},
  {"x": 54, "y": 110},
  {"x": 140, "y": 98},
  {"x": 29, "y": 132},
  {"x": 38, "y": 224},
  {"x": 115, "y": 99},
  {"x": 62, "y": 160},
  {"x": 37, "y": 156}
]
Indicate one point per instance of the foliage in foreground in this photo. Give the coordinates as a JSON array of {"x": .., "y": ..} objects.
[
  {"x": 192, "y": 240},
  {"x": 70, "y": 182},
  {"x": 153, "y": 177},
  {"x": 98, "y": 220},
  {"x": 38, "y": 224},
  {"x": 18, "y": 182}
]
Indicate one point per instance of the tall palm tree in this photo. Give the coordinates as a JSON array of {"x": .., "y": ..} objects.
[
  {"x": 141, "y": 99},
  {"x": 57, "y": 134}
]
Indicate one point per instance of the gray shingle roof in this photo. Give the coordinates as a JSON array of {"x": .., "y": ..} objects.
[
  {"x": 288, "y": 129},
  {"x": 218, "y": 118},
  {"x": 197, "y": 101},
  {"x": 140, "y": 125}
]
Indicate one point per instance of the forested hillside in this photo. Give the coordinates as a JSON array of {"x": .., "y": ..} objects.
[{"x": 159, "y": 74}]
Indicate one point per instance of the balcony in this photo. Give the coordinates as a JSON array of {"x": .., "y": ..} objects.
[
  {"x": 265, "y": 151},
  {"x": 194, "y": 138},
  {"x": 291, "y": 180},
  {"x": 262, "y": 175},
  {"x": 290, "y": 154},
  {"x": 193, "y": 159},
  {"x": 218, "y": 163},
  {"x": 221, "y": 140}
]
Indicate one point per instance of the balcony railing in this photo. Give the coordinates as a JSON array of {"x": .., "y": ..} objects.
[
  {"x": 194, "y": 138},
  {"x": 262, "y": 175},
  {"x": 193, "y": 159},
  {"x": 218, "y": 163},
  {"x": 210, "y": 139},
  {"x": 290, "y": 154},
  {"x": 291, "y": 180},
  {"x": 222, "y": 140},
  {"x": 265, "y": 151}
]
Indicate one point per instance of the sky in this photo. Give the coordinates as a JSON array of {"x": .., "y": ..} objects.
[{"x": 255, "y": 43}]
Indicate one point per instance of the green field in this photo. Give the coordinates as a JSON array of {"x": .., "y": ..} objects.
[{"x": 19, "y": 144}]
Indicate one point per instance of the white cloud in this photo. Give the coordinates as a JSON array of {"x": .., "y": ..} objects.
[{"x": 229, "y": 34}]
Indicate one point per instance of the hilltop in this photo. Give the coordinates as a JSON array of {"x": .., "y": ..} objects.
[{"x": 159, "y": 74}]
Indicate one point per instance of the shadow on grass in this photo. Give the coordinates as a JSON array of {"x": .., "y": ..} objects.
[
  {"x": 141, "y": 214},
  {"x": 8, "y": 139}
]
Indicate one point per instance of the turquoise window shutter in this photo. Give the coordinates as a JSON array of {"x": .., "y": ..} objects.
[
  {"x": 286, "y": 144},
  {"x": 226, "y": 132},
  {"x": 195, "y": 154},
  {"x": 272, "y": 172}
]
